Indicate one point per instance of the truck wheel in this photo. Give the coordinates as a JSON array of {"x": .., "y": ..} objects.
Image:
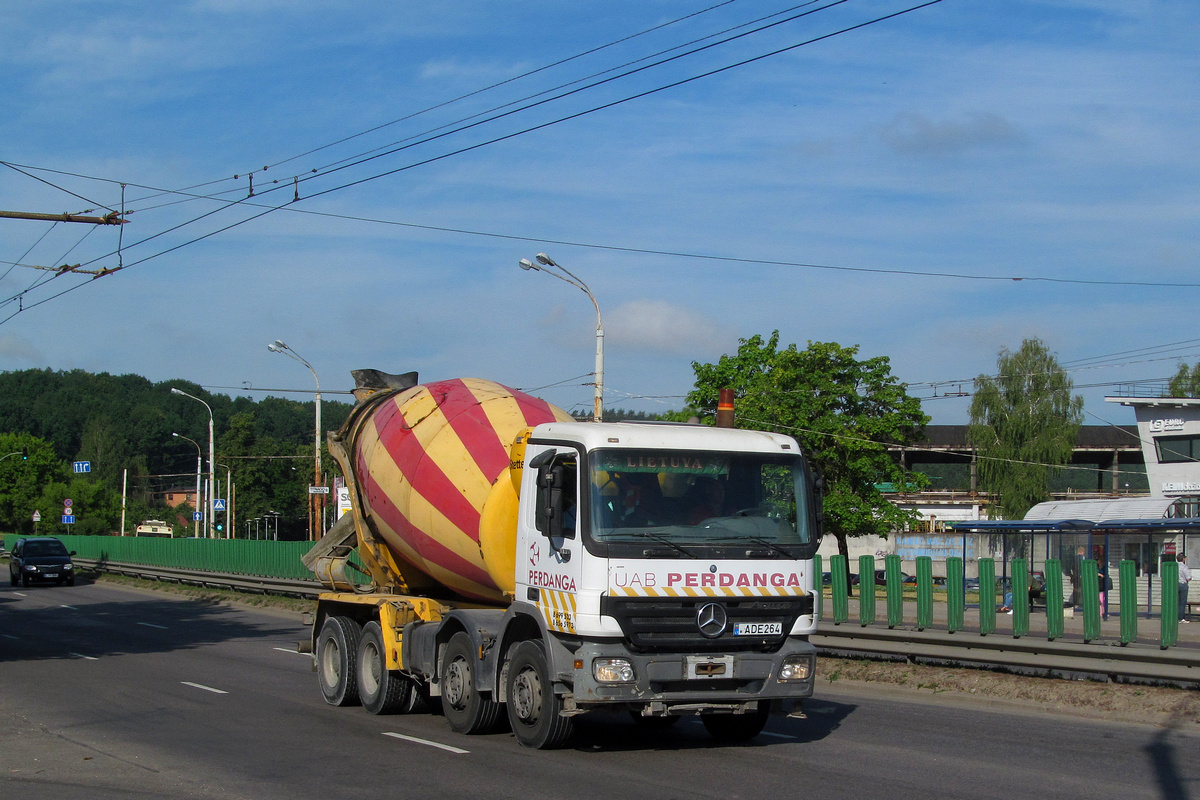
[
  {"x": 466, "y": 709},
  {"x": 337, "y": 646},
  {"x": 737, "y": 727},
  {"x": 533, "y": 707},
  {"x": 381, "y": 690}
]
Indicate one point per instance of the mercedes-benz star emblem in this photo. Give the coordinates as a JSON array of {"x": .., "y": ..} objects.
[{"x": 711, "y": 619}]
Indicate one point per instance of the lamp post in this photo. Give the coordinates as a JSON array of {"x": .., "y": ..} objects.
[
  {"x": 212, "y": 460},
  {"x": 569, "y": 277},
  {"x": 316, "y": 504},
  {"x": 199, "y": 461}
]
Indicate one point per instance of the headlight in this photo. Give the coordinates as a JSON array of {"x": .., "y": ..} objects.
[
  {"x": 612, "y": 670},
  {"x": 68, "y": 566},
  {"x": 30, "y": 568},
  {"x": 796, "y": 668}
]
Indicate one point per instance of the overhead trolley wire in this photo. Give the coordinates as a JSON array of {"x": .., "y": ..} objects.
[{"x": 505, "y": 137}]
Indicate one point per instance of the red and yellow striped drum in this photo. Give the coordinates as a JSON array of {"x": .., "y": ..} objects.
[{"x": 438, "y": 474}]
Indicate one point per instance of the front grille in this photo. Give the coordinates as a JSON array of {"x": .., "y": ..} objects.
[{"x": 656, "y": 624}]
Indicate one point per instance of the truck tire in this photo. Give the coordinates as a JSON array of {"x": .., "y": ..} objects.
[
  {"x": 737, "y": 727},
  {"x": 534, "y": 710},
  {"x": 381, "y": 690},
  {"x": 337, "y": 648},
  {"x": 466, "y": 709}
]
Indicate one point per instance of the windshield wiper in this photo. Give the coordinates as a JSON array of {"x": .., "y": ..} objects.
[
  {"x": 664, "y": 540},
  {"x": 765, "y": 543}
]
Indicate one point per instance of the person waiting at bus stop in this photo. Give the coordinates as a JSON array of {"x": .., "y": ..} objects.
[{"x": 1185, "y": 577}]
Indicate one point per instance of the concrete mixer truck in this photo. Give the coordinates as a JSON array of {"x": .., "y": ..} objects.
[{"x": 527, "y": 568}]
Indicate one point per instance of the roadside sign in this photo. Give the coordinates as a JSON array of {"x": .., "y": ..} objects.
[
  {"x": 68, "y": 519},
  {"x": 81, "y": 466},
  {"x": 197, "y": 516},
  {"x": 68, "y": 502},
  {"x": 218, "y": 504},
  {"x": 318, "y": 490},
  {"x": 37, "y": 516}
]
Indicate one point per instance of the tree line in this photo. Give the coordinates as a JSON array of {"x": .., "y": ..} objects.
[{"x": 122, "y": 425}]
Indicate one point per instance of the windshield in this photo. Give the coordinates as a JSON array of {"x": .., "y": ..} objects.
[
  {"x": 685, "y": 501},
  {"x": 54, "y": 548}
]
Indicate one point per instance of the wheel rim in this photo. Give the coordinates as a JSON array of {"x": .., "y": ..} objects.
[
  {"x": 458, "y": 679},
  {"x": 371, "y": 670},
  {"x": 331, "y": 663},
  {"x": 528, "y": 696}
]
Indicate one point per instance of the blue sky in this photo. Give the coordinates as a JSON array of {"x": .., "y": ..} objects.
[{"x": 881, "y": 187}]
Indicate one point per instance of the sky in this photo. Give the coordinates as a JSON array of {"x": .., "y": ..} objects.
[{"x": 360, "y": 180}]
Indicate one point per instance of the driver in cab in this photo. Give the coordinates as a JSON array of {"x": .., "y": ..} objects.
[{"x": 708, "y": 500}]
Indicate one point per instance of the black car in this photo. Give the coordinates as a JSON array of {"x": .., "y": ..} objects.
[{"x": 40, "y": 558}]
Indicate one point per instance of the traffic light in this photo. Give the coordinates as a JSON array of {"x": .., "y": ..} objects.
[{"x": 24, "y": 453}]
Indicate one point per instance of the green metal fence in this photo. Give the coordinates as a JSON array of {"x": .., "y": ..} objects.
[
  {"x": 1015, "y": 589},
  {"x": 236, "y": 556}
]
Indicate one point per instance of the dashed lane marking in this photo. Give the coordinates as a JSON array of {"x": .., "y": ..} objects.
[
  {"x": 152, "y": 625},
  {"x": 294, "y": 652},
  {"x": 205, "y": 688},
  {"x": 415, "y": 740}
]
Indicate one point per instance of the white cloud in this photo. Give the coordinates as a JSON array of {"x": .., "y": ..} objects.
[
  {"x": 916, "y": 134},
  {"x": 659, "y": 327}
]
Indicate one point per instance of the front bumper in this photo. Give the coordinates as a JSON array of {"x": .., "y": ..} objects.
[{"x": 686, "y": 679}]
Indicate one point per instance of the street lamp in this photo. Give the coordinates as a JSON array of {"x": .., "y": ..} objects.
[
  {"x": 211, "y": 459},
  {"x": 316, "y": 504},
  {"x": 569, "y": 277},
  {"x": 199, "y": 459}
]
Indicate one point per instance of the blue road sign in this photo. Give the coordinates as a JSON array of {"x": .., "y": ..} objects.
[
  {"x": 68, "y": 519},
  {"x": 218, "y": 504},
  {"x": 197, "y": 516},
  {"x": 81, "y": 466}
]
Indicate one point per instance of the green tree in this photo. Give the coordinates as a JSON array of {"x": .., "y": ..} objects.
[
  {"x": 1186, "y": 382},
  {"x": 30, "y": 465},
  {"x": 1023, "y": 423},
  {"x": 844, "y": 412}
]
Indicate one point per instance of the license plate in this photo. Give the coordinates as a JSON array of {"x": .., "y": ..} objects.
[
  {"x": 49, "y": 574},
  {"x": 758, "y": 629}
]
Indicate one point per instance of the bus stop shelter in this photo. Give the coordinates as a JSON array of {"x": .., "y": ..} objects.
[{"x": 1109, "y": 542}]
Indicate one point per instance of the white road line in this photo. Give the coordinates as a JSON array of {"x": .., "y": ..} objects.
[
  {"x": 70, "y": 607},
  {"x": 8, "y": 636},
  {"x": 294, "y": 652},
  {"x": 438, "y": 745},
  {"x": 152, "y": 625},
  {"x": 778, "y": 735},
  {"x": 81, "y": 655},
  {"x": 205, "y": 688},
  {"x": 20, "y": 594}
]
